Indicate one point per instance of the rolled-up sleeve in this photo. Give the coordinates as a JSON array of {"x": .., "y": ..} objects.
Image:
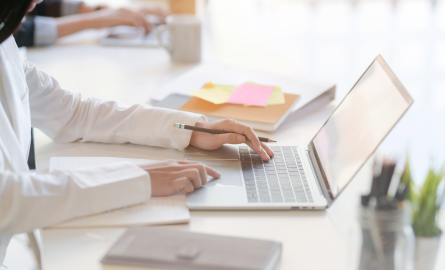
[
  {"x": 66, "y": 116},
  {"x": 45, "y": 31}
]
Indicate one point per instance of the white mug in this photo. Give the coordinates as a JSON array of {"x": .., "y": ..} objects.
[{"x": 184, "y": 39}]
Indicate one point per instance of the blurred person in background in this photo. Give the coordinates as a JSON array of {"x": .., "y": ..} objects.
[{"x": 53, "y": 19}]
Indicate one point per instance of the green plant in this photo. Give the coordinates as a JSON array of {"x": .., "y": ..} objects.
[{"x": 425, "y": 201}]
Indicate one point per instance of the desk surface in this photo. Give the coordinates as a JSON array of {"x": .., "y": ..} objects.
[
  {"x": 311, "y": 239},
  {"x": 306, "y": 235}
]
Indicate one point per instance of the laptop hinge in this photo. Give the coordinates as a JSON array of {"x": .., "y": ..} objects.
[
  {"x": 319, "y": 177},
  {"x": 314, "y": 174}
]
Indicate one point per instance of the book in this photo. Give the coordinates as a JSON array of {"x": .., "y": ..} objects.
[
  {"x": 312, "y": 94},
  {"x": 158, "y": 210},
  {"x": 262, "y": 118},
  {"x": 155, "y": 248}
]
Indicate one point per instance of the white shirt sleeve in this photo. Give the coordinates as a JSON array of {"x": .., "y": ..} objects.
[
  {"x": 34, "y": 201},
  {"x": 45, "y": 31},
  {"x": 69, "y": 7},
  {"x": 66, "y": 116}
]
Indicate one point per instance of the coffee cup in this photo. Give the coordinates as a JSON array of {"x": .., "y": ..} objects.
[{"x": 184, "y": 37}]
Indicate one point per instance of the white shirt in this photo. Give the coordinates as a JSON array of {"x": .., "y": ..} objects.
[{"x": 29, "y": 97}]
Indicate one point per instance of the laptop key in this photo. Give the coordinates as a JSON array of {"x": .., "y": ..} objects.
[
  {"x": 251, "y": 191},
  {"x": 301, "y": 199},
  {"x": 265, "y": 199},
  {"x": 277, "y": 199},
  {"x": 252, "y": 200},
  {"x": 289, "y": 200},
  {"x": 247, "y": 170}
]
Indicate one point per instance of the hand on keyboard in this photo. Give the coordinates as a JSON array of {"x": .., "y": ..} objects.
[{"x": 208, "y": 141}]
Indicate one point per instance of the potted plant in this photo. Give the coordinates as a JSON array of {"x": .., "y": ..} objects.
[{"x": 425, "y": 203}]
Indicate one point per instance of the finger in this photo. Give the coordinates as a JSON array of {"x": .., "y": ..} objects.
[
  {"x": 183, "y": 184},
  {"x": 233, "y": 126},
  {"x": 192, "y": 174},
  {"x": 147, "y": 25},
  {"x": 262, "y": 153},
  {"x": 267, "y": 149},
  {"x": 204, "y": 170},
  {"x": 231, "y": 138}
]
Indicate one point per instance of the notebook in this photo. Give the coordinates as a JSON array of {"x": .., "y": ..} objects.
[
  {"x": 217, "y": 73},
  {"x": 155, "y": 248},
  {"x": 158, "y": 210},
  {"x": 262, "y": 118}
]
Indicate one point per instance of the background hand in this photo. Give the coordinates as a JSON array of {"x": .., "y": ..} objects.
[
  {"x": 114, "y": 17},
  {"x": 214, "y": 141},
  {"x": 161, "y": 13},
  {"x": 171, "y": 175}
]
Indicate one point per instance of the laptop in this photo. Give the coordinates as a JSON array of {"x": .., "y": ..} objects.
[
  {"x": 130, "y": 36},
  {"x": 312, "y": 176}
]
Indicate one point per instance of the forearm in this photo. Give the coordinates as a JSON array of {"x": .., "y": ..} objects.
[{"x": 74, "y": 23}]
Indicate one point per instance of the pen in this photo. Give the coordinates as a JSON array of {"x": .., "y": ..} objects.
[{"x": 213, "y": 131}]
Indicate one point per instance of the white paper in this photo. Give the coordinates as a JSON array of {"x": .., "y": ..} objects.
[{"x": 158, "y": 210}]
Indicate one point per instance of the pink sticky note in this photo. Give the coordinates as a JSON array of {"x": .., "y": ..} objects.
[{"x": 251, "y": 94}]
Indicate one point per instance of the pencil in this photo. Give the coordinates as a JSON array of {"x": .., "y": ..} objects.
[{"x": 214, "y": 131}]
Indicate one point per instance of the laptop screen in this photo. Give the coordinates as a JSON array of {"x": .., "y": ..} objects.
[{"x": 359, "y": 124}]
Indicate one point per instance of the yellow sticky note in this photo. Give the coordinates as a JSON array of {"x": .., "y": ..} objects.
[
  {"x": 215, "y": 93},
  {"x": 277, "y": 97}
]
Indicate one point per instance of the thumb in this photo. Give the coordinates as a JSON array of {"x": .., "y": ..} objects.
[{"x": 231, "y": 138}]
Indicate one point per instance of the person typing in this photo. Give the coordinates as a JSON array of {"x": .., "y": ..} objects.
[
  {"x": 53, "y": 19},
  {"x": 30, "y": 97}
]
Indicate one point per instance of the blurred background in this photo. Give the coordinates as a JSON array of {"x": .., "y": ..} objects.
[{"x": 326, "y": 40}]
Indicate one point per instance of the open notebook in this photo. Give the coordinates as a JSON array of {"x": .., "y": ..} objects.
[{"x": 158, "y": 210}]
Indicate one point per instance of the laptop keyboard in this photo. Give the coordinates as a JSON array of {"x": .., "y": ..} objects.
[{"x": 282, "y": 179}]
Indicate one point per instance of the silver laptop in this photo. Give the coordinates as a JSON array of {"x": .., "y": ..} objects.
[{"x": 312, "y": 176}]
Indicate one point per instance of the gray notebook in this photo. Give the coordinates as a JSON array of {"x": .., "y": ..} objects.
[{"x": 154, "y": 248}]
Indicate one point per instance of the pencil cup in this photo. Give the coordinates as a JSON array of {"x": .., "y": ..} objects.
[
  {"x": 184, "y": 38},
  {"x": 387, "y": 239}
]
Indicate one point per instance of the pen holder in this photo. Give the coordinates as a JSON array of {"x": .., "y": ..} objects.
[{"x": 387, "y": 239}]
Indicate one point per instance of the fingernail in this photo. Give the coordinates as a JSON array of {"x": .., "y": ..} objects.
[{"x": 240, "y": 138}]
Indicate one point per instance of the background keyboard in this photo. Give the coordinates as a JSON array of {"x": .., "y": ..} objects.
[{"x": 282, "y": 179}]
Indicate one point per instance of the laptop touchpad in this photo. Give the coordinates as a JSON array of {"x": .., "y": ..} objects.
[{"x": 229, "y": 170}]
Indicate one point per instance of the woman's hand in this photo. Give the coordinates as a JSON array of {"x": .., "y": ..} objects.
[
  {"x": 213, "y": 141},
  {"x": 161, "y": 13},
  {"x": 170, "y": 176},
  {"x": 114, "y": 17}
]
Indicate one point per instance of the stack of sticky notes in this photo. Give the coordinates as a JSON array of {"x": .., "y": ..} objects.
[{"x": 247, "y": 94}]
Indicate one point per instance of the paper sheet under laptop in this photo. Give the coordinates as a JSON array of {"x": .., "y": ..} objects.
[
  {"x": 158, "y": 210},
  {"x": 219, "y": 73}
]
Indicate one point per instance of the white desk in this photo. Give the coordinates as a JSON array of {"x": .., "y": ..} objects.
[
  {"x": 311, "y": 240},
  {"x": 304, "y": 234}
]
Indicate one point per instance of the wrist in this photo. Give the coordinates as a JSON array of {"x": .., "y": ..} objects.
[{"x": 83, "y": 8}]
